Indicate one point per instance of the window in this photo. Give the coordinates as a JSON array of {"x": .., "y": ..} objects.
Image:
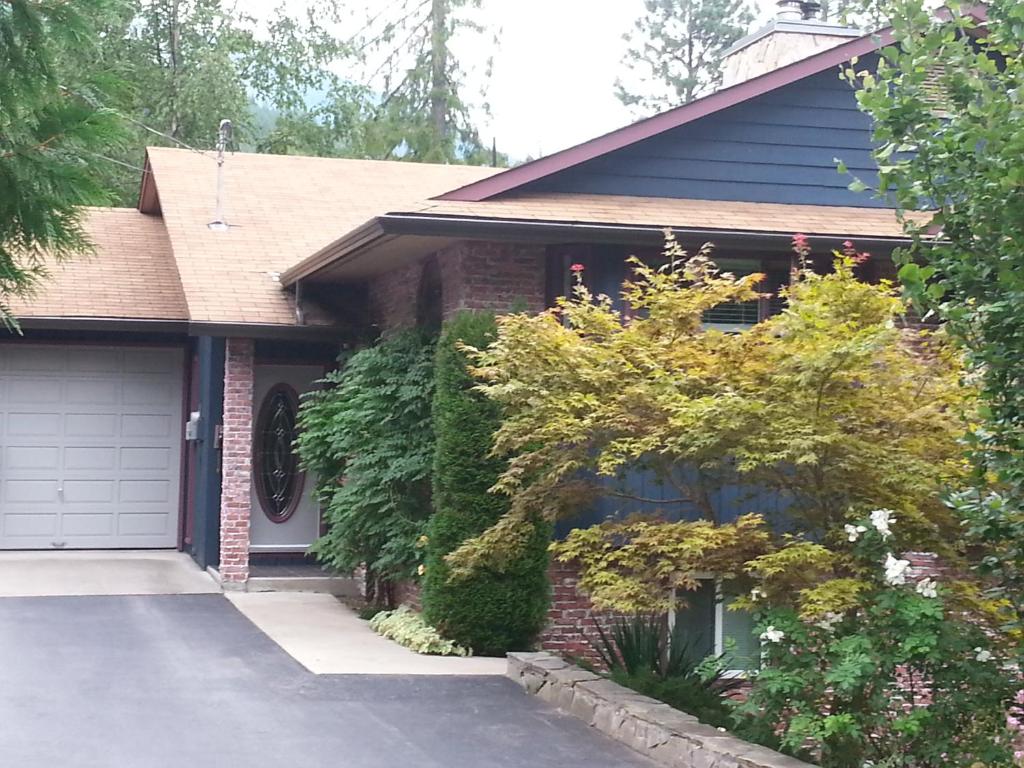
[
  {"x": 736, "y": 314},
  {"x": 276, "y": 471},
  {"x": 709, "y": 627}
]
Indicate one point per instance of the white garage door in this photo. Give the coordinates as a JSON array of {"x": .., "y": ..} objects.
[{"x": 91, "y": 446}]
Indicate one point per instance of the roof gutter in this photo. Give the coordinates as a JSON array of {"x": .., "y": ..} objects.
[
  {"x": 392, "y": 225},
  {"x": 361, "y": 237},
  {"x": 183, "y": 328}
]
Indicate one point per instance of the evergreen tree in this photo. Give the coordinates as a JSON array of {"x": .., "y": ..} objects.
[
  {"x": 422, "y": 114},
  {"x": 51, "y": 133},
  {"x": 500, "y": 607},
  {"x": 676, "y": 50}
]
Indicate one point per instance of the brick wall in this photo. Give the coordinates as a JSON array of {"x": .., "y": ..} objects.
[
  {"x": 474, "y": 275},
  {"x": 571, "y": 616},
  {"x": 392, "y": 297},
  {"x": 492, "y": 276},
  {"x": 236, "y": 462}
]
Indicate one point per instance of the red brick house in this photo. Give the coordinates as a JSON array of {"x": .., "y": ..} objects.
[{"x": 137, "y": 409}]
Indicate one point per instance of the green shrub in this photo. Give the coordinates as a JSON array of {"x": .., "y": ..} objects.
[
  {"x": 367, "y": 436},
  {"x": 407, "y": 628},
  {"x": 498, "y": 608},
  {"x": 641, "y": 655}
]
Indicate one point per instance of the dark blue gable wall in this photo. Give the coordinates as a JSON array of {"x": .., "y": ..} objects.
[{"x": 775, "y": 148}]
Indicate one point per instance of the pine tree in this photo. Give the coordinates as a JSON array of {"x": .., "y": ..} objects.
[
  {"x": 676, "y": 50},
  {"x": 52, "y": 132},
  {"x": 422, "y": 114}
]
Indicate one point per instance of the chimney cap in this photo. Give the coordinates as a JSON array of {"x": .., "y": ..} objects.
[{"x": 805, "y": 10}]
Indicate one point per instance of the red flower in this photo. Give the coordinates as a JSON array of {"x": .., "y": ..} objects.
[
  {"x": 800, "y": 242},
  {"x": 577, "y": 268}
]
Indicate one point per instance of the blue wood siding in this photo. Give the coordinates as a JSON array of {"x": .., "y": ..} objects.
[
  {"x": 729, "y": 502},
  {"x": 776, "y": 148}
]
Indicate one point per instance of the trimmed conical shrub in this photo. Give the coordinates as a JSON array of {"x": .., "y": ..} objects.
[{"x": 492, "y": 611}]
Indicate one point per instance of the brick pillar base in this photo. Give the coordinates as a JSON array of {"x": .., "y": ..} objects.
[
  {"x": 572, "y": 619},
  {"x": 236, "y": 462}
]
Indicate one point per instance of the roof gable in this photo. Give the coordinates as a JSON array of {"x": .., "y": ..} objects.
[
  {"x": 778, "y": 147},
  {"x": 526, "y": 174}
]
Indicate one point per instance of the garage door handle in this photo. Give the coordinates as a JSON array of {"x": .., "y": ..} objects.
[{"x": 60, "y": 492}]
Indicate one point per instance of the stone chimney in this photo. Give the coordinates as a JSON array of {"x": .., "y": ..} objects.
[{"x": 794, "y": 34}]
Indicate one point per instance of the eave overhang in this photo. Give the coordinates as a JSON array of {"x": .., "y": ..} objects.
[{"x": 395, "y": 238}]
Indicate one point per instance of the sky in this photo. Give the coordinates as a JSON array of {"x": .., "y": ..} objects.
[
  {"x": 555, "y": 63},
  {"x": 555, "y": 66}
]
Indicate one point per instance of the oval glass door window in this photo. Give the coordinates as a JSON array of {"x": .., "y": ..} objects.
[{"x": 275, "y": 464}]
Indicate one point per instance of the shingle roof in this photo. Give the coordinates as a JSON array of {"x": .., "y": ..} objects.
[
  {"x": 280, "y": 209},
  {"x": 130, "y": 275},
  {"x": 676, "y": 213}
]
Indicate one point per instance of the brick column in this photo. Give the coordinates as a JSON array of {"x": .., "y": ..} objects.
[
  {"x": 495, "y": 277},
  {"x": 236, "y": 462}
]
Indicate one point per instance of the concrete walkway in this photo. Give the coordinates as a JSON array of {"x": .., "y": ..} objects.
[
  {"x": 328, "y": 638},
  {"x": 149, "y": 572},
  {"x": 183, "y": 680}
]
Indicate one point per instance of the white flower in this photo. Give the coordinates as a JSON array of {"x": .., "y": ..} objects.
[
  {"x": 882, "y": 519},
  {"x": 983, "y": 654},
  {"x": 853, "y": 532},
  {"x": 756, "y": 594},
  {"x": 895, "y": 570},
  {"x": 829, "y": 620},
  {"x": 927, "y": 588},
  {"x": 772, "y": 635}
]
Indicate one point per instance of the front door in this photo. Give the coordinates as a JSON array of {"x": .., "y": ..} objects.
[{"x": 285, "y": 515}]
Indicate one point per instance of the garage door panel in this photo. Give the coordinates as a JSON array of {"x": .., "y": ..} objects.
[
  {"x": 143, "y": 459},
  {"x": 89, "y": 492},
  {"x": 90, "y": 425},
  {"x": 86, "y": 524},
  {"x": 144, "y": 492},
  {"x": 95, "y": 360},
  {"x": 103, "y": 392},
  {"x": 160, "y": 393},
  {"x": 33, "y": 424},
  {"x": 32, "y": 457},
  {"x": 19, "y": 526},
  {"x": 93, "y": 447},
  {"x": 92, "y": 458},
  {"x": 145, "y": 425},
  {"x": 34, "y": 392},
  {"x": 136, "y": 524},
  {"x": 31, "y": 491},
  {"x": 148, "y": 362},
  {"x": 23, "y": 359}
]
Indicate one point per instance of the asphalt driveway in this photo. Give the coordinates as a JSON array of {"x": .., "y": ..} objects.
[{"x": 186, "y": 680}]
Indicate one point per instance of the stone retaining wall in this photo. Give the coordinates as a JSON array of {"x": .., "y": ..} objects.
[{"x": 666, "y": 735}]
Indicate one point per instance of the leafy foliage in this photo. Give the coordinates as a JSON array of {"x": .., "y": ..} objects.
[
  {"x": 407, "y": 628},
  {"x": 50, "y": 129},
  {"x": 894, "y": 671},
  {"x": 648, "y": 564},
  {"x": 190, "y": 63},
  {"x": 949, "y": 124},
  {"x": 678, "y": 45},
  {"x": 367, "y": 436},
  {"x": 640, "y": 654},
  {"x": 503, "y": 607},
  {"x": 793, "y": 405}
]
